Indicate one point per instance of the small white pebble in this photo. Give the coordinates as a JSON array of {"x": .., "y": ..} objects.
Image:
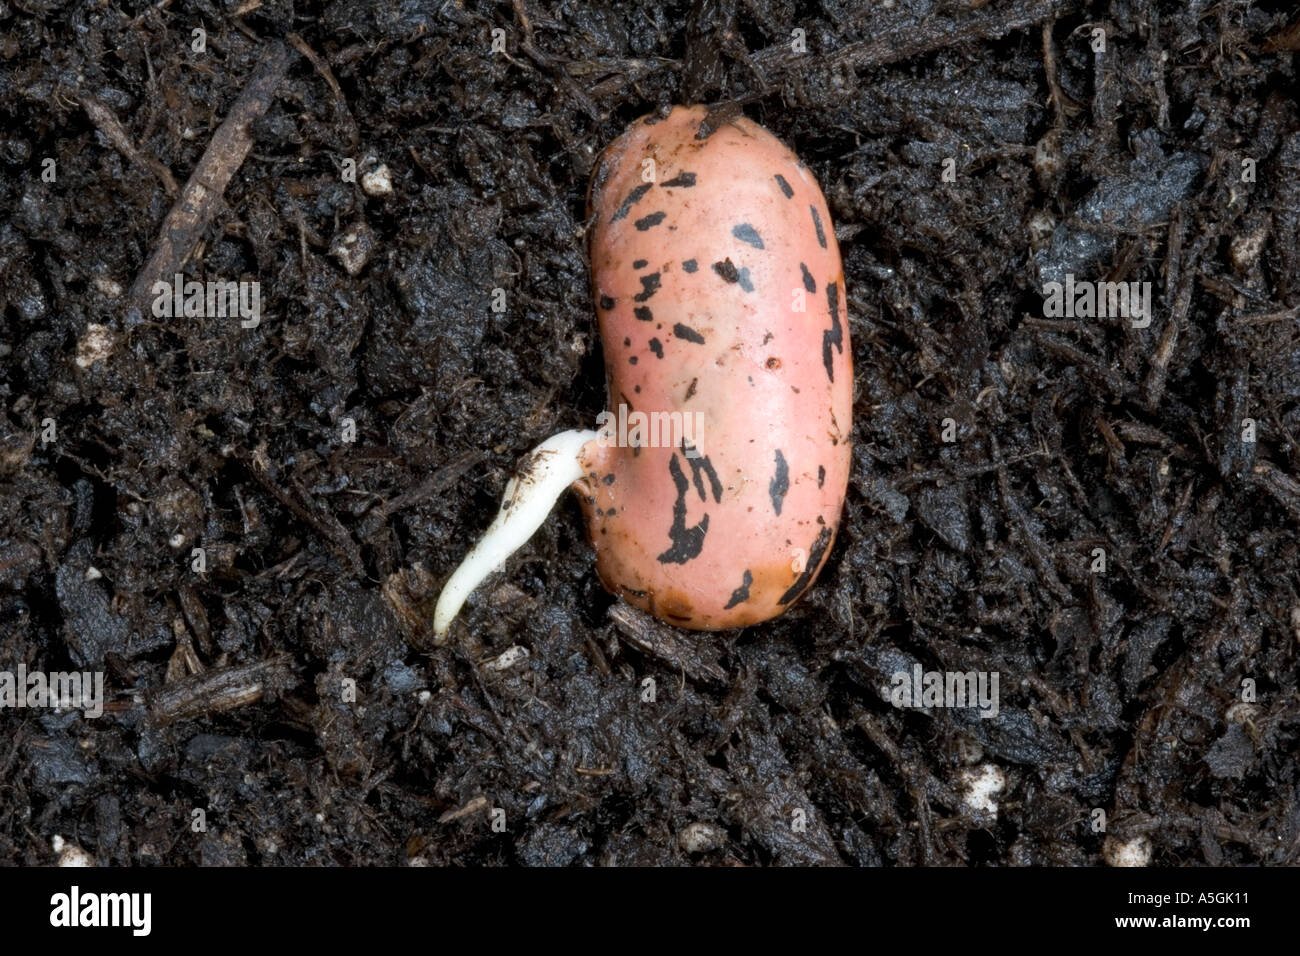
[
  {"x": 509, "y": 658},
  {"x": 95, "y": 346},
  {"x": 424, "y": 696},
  {"x": 352, "y": 248},
  {"x": 93, "y": 573},
  {"x": 177, "y": 540},
  {"x": 1245, "y": 250},
  {"x": 699, "y": 838},
  {"x": 108, "y": 287},
  {"x": 70, "y": 854},
  {"x": 377, "y": 181},
  {"x": 1134, "y": 852},
  {"x": 982, "y": 784}
]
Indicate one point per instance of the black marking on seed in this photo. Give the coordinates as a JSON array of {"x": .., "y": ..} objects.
[
  {"x": 657, "y": 347},
  {"x": 690, "y": 265},
  {"x": 701, "y": 464},
  {"x": 609, "y": 479},
  {"x": 687, "y": 333},
  {"x": 649, "y": 286},
  {"x": 808, "y": 282},
  {"x": 748, "y": 234},
  {"x": 743, "y": 278},
  {"x": 741, "y": 594},
  {"x": 821, "y": 475},
  {"x": 626, "y": 341},
  {"x": 684, "y": 180},
  {"x": 632, "y": 360},
  {"x": 780, "y": 484},
  {"x": 835, "y": 334},
  {"x": 817, "y": 221},
  {"x": 785, "y": 187},
  {"x": 632, "y": 199},
  {"x": 645, "y": 222},
  {"x": 690, "y": 389},
  {"x": 643, "y": 313},
  {"x": 639, "y": 264},
  {"x": 814, "y": 561},
  {"x": 686, "y": 542},
  {"x": 606, "y": 303}
]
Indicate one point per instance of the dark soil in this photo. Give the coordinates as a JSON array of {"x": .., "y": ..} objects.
[{"x": 1162, "y": 691}]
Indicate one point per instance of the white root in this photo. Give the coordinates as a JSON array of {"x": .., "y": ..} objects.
[{"x": 529, "y": 497}]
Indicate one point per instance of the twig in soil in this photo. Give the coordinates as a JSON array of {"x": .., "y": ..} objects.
[
  {"x": 323, "y": 68},
  {"x": 1164, "y": 697},
  {"x": 1039, "y": 552},
  {"x": 198, "y": 202},
  {"x": 214, "y": 691},
  {"x": 327, "y": 527},
  {"x": 915, "y": 779},
  {"x": 474, "y": 806},
  {"x": 650, "y": 637},
  {"x": 911, "y": 41},
  {"x": 1287, "y": 39},
  {"x": 1089, "y": 367},
  {"x": 558, "y": 75},
  {"x": 1182, "y": 279},
  {"x": 1281, "y": 315},
  {"x": 1176, "y": 518},
  {"x": 108, "y": 124},
  {"x": 196, "y": 617},
  {"x": 1280, "y": 485},
  {"x": 1063, "y": 105},
  {"x": 444, "y": 477}
]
